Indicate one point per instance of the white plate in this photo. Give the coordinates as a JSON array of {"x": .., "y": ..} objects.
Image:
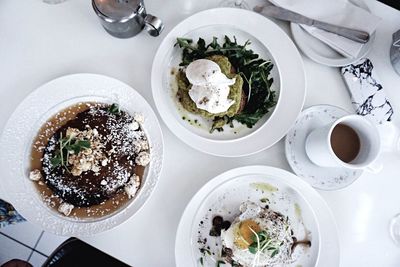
[
  {"x": 288, "y": 74},
  {"x": 319, "y": 177},
  {"x": 321, "y": 52},
  {"x": 223, "y": 195},
  {"x": 37, "y": 108}
]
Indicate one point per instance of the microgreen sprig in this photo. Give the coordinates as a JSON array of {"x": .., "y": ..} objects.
[
  {"x": 67, "y": 146},
  {"x": 114, "y": 109},
  {"x": 262, "y": 243}
]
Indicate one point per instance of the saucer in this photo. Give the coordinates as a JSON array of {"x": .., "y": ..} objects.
[{"x": 324, "y": 178}]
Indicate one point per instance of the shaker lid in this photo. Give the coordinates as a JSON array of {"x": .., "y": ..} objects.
[{"x": 117, "y": 9}]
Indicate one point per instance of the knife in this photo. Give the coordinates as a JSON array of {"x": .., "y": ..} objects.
[{"x": 280, "y": 13}]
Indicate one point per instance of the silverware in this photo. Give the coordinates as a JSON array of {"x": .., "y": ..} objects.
[{"x": 276, "y": 12}]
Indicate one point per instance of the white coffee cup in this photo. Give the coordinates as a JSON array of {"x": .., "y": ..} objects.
[{"x": 320, "y": 152}]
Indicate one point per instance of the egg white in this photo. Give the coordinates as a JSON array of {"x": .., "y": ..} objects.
[{"x": 210, "y": 87}]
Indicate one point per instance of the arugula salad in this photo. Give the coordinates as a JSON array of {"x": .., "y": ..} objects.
[{"x": 240, "y": 89}]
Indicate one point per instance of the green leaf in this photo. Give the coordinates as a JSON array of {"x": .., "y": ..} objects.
[
  {"x": 219, "y": 262},
  {"x": 249, "y": 119},
  {"x": 114, "y": 109},
  {"x": 276, "y": 251},
  {"x": 184, "y": 43},
  {"x": 214, "y": 44},
  {"x": 204, "y": 251},
  {"x": 72, "y": 149},
  {"x": 254, "y": 238},
  {"x": 68, "y": 146},
  {"x": 56, "y": 161},
  {"x": 201, "y": 44},
  {"x": 253, "y": 249},
  {"x": 83, "y": 143}
]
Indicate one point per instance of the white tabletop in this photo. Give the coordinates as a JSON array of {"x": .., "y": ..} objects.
[{"x": 40, "y": 42}]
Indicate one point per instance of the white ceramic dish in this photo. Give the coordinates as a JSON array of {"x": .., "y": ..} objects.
[
  {"x": 288, "y": 74},
  {"x": 321, "y": 52},
  {"x": 319, "y": 177},
  {"x": 37, "y": 108},
  {"x": 223, "y": 194}
]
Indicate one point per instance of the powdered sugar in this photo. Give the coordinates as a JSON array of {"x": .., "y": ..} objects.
[{"x": 116, "y": 141}]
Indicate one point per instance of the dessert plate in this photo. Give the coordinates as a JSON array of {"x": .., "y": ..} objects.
[
  {"x": 288, "y": 74},
  {"x": 321, "y": 52},
  {"x": 22, "y": 128},
  {"x": 286, "y": 193},
  {"x": 319, "y": 177}
]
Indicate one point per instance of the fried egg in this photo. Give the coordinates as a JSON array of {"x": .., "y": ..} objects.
[{"x": 241, "y": 235}]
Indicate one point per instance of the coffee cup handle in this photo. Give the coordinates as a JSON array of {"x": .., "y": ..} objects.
[
  {"x": 374, "y": 167},
  {"x": 154, "y": 25}
]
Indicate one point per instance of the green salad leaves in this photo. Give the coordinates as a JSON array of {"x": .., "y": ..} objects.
[{"x": 254, "y": 70}]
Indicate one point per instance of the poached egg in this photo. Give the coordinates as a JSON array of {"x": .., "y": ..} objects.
[{"x": 210, "y": 87}]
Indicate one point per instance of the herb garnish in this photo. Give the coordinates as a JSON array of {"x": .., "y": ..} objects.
[
  {"x": 254, "y": 70},
  {"x": 263, "y": 242},
  {"x": 204, "y": 250},
  {"x": 67, "y": 146},
  {"x": 219, "y": 262},
  {"x": 114, "y": 109}
]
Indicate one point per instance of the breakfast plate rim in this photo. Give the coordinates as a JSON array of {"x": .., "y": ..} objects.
[
  {"x": 329, "y": 252},
  {"x": 292, "y": 91},
  {"x": 31, "y": 109}
]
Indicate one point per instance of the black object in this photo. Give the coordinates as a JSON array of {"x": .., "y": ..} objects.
[
  {"x": 76, "y": 253},
  {"x": 393, "y": 3}
]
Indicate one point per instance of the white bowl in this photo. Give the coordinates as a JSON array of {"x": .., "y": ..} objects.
[
  {"x": 270, "y": 42},
  {"x": 23, "y": 126},
  {"x": 174, "y": 57}
]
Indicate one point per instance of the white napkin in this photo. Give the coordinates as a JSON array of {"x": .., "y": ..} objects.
[{"x": 338, "y": 12}]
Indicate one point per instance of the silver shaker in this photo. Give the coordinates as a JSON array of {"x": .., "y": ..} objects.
[{"x": 126, "y": 18}]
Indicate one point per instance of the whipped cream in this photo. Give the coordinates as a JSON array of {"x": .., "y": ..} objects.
[{"x": 210, "y": 87}]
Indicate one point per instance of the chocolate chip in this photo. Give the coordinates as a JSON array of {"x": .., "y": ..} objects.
[
  {"x": 215, "y": 232},
  {"x": 226, "y": 224},
  {"x": 217, "y": 220}
]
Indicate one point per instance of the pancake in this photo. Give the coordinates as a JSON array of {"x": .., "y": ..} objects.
[{"x": 114, "y": 146}]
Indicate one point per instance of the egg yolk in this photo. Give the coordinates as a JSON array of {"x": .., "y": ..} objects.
[{"x": 245, "y": 233}]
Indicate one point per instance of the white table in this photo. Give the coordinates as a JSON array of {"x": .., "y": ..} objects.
[{"x": 40, "y": 42}]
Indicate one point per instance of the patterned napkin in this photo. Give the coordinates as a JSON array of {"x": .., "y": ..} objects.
[
  {"x": 367, "y": 94},
  {"x": 395, "y": 52},
  {"x": 8, "y": 215}
]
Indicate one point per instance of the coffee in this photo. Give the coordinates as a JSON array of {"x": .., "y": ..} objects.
[{"x": 345, "y": 142}]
